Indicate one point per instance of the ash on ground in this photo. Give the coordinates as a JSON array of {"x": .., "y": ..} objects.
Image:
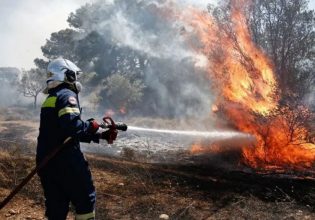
[{"x": 150, "y": 147}]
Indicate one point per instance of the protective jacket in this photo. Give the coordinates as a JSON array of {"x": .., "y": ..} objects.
[
  {"x": 66, "y": 178},
  {"x": 60, "y": 118}
]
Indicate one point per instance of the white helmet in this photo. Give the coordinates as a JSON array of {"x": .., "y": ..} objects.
[{"x": 62, "y": 70}]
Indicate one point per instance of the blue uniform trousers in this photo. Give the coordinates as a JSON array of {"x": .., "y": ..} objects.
[{"x": 66, "y": 179}]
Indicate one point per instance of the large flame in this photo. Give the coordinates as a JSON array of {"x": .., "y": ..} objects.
[{"x": 244, "y": 79}]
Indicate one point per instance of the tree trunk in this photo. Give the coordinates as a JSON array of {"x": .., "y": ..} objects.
[{"x": 35, "y": 101}]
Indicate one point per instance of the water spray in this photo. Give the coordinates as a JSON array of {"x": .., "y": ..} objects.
[
  {"x": 206, "y": 134},
  {"x": 227, "y": 139}
]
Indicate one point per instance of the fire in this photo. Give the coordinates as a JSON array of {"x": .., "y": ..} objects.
[
  {"x": 123, "y": 110},
  {"x": 200, "y": 148},
  {"x": 244, "y": 78},
  {"x": 196, "y": 148},
  {"x": 241, "y": 71},
  {"x": 109, "y": 113},
  {"x": 215, "y": 108}
]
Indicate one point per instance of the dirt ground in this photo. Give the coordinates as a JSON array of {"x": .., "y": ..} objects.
[{"x": 129, "y": 189}]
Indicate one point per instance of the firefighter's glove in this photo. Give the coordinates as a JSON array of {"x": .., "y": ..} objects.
[
  {"x": 93, "y": 126},
  {"x": 109, "y": 135}
]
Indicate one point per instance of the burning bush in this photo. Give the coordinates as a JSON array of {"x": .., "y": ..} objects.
[
  {"x": 282, "y": 140},
  {"x": 245, "y": 79}
]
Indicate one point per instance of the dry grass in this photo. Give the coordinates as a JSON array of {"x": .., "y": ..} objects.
[
  {"x": 129, "y": 190},
  {"x": 148, "y": 191}
]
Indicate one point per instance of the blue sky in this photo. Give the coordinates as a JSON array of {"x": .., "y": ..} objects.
[{"x": 26, "y": 24}]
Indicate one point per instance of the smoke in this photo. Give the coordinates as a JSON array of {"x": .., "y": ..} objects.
[
  {"x": 146, "y": 26},
  {"x": 153, "y": 29},
  {"x": 8, "y": 76}
]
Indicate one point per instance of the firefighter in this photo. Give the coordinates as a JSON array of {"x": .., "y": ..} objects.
[{"x": 67, "y": 177}]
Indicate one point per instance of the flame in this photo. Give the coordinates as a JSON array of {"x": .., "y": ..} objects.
[
  {"x": 199, "y": 148},
  {"x": 123, "y": 110},
  {"x": 109, "y": 113},
  {"x": 242, "y": 71},
  {"x": 244, "y": 78},
  {"x": 196, "y": 148},
  {"x": 282, "y": 141},
  {"x": 214, "y": 108}
]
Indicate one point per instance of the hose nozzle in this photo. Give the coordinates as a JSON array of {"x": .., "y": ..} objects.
[
  {"x": 109, "y": 123},
  {"x": 119, "y": 126}
]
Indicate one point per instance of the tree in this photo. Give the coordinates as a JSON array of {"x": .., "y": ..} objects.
[
  {"x": 95, "y": 51},
  {"x": 285, "y": 30},
  {"x": 41, "y": 64},
  {"x": 132, "y": 39},
  {"x": 61, "y": 43},
  {"x": 122, "y": 92},
  {"x": 32, "y": 82}
]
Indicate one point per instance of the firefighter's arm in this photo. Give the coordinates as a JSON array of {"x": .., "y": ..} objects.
[{"x": 69, "y": 117}]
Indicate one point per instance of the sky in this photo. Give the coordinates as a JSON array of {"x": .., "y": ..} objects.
[{"x": 26, "y": 24}]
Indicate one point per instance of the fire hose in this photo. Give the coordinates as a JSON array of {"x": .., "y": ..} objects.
[{"x": 108, "y": 123}]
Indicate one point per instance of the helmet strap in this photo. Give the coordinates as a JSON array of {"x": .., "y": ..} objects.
[{"x": 78, "y": 86}]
